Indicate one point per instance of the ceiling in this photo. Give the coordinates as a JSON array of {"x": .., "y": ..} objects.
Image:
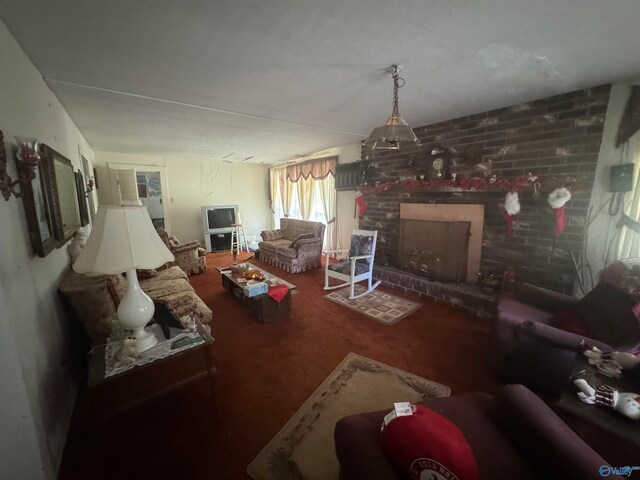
[{"x": 268, "y": 81}]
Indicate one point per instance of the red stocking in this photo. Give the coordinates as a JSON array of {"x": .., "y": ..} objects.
[
  {"x": 361, "y": 203},
  {"x": 509, "y": 220},
  {"x": 561, "y": 222}
]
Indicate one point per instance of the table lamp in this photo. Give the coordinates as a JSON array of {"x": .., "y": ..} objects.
[{"x": 122, "y": 240}]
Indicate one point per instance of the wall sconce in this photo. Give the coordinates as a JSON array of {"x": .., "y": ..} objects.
[
  {"x": 27, "y": 160},
  {"x": 91, "y": 183}
]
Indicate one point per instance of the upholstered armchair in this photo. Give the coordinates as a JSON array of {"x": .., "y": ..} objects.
[
  {"x": 190, "y": 256},
  {"x": 295, "y": 247}
]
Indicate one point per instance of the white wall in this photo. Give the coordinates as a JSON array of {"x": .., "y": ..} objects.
[
  {"x": 38, "y": 371},
  {"x": 193, "y": 183},
  {"x": 601, "y": 246}
]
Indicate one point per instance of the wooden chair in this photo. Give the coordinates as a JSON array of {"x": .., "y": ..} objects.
[{"x": 357, "y": 267}]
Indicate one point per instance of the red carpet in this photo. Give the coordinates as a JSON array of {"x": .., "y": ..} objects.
[{"x": 265, "y": 372}]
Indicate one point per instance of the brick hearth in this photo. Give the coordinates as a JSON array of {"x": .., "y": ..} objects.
[{"x": 465, "y": 296}]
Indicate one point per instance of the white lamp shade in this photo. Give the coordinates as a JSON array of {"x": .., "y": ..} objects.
[{"x": 123, "y": 238}]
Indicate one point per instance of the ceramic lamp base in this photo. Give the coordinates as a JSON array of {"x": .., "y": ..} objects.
[
  {"x": 135, "y": 311},
  {"x": 144, "y": 339}
]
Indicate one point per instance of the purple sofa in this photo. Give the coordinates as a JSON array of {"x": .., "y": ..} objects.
[
  {"x": 514, "y": 435},
  {"x": 528, "y": 349}
]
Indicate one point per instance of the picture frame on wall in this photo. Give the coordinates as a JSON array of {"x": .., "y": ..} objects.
[{"x": 82, "y": 199}]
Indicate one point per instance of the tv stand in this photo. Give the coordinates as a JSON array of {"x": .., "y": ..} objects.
[{"x": 216, "y": 242}]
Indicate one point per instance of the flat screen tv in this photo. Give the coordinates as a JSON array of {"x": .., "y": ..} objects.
[{"x": 218, "y": 218}]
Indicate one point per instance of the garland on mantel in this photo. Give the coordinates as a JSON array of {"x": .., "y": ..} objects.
[
  {"x": 560, "y": 189},
  {"x": 482, "y": 184}
]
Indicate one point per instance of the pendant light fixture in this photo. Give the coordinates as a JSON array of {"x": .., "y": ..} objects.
[{"x": 396, "y": 130}]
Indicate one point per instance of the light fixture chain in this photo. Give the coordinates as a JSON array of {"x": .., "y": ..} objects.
[{"x": 395, "y": 112}]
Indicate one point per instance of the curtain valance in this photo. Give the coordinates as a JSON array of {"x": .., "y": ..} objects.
[{"x": 317, "y": 169}]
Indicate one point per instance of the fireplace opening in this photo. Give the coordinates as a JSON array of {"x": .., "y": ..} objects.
[{"x": 437, "y": 250}]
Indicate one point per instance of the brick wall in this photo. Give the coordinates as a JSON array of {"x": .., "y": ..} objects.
[{"x": 557, "y": 136}]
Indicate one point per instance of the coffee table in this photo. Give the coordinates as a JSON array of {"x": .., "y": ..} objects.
[{"x": 263, "y": 307}]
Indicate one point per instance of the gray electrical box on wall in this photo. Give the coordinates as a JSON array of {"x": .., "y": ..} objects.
[{"x": 621, "y": 178}]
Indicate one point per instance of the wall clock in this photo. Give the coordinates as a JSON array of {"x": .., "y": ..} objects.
[{"x": 438, "y": 164}]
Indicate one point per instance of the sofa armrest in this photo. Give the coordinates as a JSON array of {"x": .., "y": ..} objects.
[
  {"x": 358, "y": 448},
  {"x": 184, "y": 247},
  {"x": 271, "y": 235},
  {"x": 307, "y": 243},
  {"x": 542, "y": 298},
  {"x": 563, "y": 339},
  {"x": 555, "y": 451}
]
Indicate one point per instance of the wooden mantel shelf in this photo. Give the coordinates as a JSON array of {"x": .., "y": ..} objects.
[{"x": 481, "y": 185}]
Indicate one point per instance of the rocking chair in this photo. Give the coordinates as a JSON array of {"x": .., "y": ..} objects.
[{"x": 357, "y": 267}]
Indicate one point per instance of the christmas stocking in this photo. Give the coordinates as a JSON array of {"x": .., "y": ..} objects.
[
  {"x": 557, "y": 200},
  {"x": 511, "y": 209},
  {"x": 361, "y": 203}
]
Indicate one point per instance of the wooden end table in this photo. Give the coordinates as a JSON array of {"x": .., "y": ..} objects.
[{"x": 141, "y": 383}]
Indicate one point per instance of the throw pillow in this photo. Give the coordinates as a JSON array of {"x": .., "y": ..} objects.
[
  {"x": 164, "y": 236},
  {"x": 173, "y": 241},
  {"x": 268, "y": 235},
  {"x": 608, "y": 314},
  {"x": 428, "y": 445},
  {"x": 302, "y": 236},
  {"x": 142, "y": 274},
  {"x": 361, "y": 245}
]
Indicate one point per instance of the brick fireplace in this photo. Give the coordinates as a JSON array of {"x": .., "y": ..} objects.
[{"x": 556, "y": 136}]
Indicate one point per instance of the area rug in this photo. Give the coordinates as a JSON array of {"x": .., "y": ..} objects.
[
  {"x": 303, "y": 449},
  {"x": 380, "y": 306}
]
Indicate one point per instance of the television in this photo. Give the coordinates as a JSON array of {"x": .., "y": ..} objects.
[{"x": 218, "y": 219}]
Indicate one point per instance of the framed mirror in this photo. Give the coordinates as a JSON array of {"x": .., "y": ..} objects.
[
  {"x": 65, "y": 210},
  {"x": 37, "y": 201}
]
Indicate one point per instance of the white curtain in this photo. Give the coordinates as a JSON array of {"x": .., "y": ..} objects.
[
  {"x": 285, "y": 187},
  {"x": 273, "y": 189},
  {"x": 327, "y": 189},
  {"x": 306, "y": 196},
  {"x": 629, "y": 243}
]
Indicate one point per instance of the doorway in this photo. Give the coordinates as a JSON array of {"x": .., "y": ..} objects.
[
  {"x": 156, "y": 195},
  {"x": 150, "y": 194}
]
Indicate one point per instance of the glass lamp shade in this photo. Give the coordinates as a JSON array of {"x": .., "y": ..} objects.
[
  {"x": 27, "y": 151},
  {"x": 391, "y": 134}
]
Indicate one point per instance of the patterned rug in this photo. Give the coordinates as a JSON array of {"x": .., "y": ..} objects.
[
  {"x": 304, "y": 449},
  {"x": 380, "y": 306}
]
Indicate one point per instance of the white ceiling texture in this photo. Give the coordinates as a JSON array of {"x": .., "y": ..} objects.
[{"x": 278, "y": 79}]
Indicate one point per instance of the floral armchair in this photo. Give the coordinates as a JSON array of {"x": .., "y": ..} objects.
[
  {"x": 296, "y": 247},
  {"x": 190, "y": 256}
]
